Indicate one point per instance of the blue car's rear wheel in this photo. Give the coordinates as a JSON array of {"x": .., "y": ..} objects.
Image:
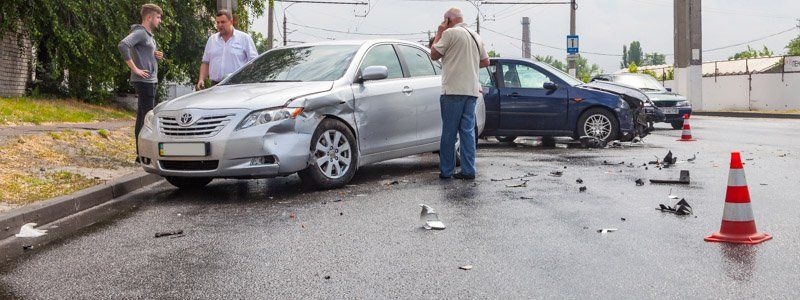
[{"x": 598, "y": 123}]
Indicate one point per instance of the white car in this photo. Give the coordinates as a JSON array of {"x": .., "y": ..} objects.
[{"x": 321, "y": 110}]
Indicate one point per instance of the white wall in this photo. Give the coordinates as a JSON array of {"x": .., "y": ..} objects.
[
  {"x": 734, "y": 93},
  {"x": 770, "y": 93}
]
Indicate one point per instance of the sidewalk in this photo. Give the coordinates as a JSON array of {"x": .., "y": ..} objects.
[
  {"x": 746, "y": 114},
  {"x": 13, "y": 131}
]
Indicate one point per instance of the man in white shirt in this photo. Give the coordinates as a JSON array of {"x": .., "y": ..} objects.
[
  {"x": 226, "y": 51},
  {"x": 463, "y": 54}
]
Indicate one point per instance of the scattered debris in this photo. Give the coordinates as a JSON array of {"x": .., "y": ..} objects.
[
  {"x": 623, "y": 219},
  {"x": 671, "y": 196},
  {"x": 526, "y": 198},
  {"x": 27, "y": 231},
  {"x": 684, "y": 179},
  {"x": 582, "y": 189},
  {"x": 27, "y": 247},
  {"x": 291, "y": 216},
  {"x": 338, "y": 199},
  {"x": 579, "y": 180},
  {"x": 391, "y": 182},
  {"x": 341, "y": 213},
  {"x": 669, "y": 160},
  {"x": 327, "y": 277},
  {"x": 694, "y": 157},
  {"x": 431, "y": 218},
  {"x": 606, "y": 230},
  {"x": 556, "y": 173},
  {"x": 639, "y": 182},
  {"x": 783, "y": 155},
  {"x": 466, "y": 268},
  {"x": 515, "y": 178},
  {"x": 592, "y": 142},
  {"x": 168, "y": 233},
  {"x": 681, "y": 208},
  {"x": 523, "y": 184}
]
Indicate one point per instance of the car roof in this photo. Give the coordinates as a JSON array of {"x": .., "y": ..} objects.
[{"x": 354, "y": 43}]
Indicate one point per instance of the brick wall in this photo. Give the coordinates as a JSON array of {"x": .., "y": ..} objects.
[{"x": 15, "y": 58}]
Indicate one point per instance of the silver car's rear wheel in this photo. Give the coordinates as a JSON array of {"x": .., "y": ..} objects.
[{"x": 333, "y": 156}]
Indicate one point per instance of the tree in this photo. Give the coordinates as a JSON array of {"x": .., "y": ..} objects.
[
  {"x": 752, "y": 53},
  {"x": 633, "y": 68},
  {"x": 76, "y": 41},
  {"x": 793, "y": 47},
  {"x": 584, "y": 71},
  {"x": 552, "y": 61},
  {"x": 655, "y": 58},
  {"x": 635, "y": 54},
  {"x": 624, "y": 63},
  {"x": 493, "y": 53},
  {"x": 262, "y": 44}
]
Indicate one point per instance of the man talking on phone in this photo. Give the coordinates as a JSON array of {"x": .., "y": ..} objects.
[{"x": 463, "y": 54}]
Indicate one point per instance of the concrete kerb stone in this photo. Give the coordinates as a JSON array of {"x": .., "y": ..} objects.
[{"x": 47, "y": 211}]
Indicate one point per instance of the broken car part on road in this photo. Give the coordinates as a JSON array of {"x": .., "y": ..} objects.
[
  {"x": 683, "y": 179},
  {"x": 430, "y": 218}
]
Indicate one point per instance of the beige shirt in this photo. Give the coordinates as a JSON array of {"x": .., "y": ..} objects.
[{"x": 461, "y": 60}]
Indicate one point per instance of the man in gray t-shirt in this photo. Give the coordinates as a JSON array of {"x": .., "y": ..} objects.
[{"x": 138, "y": 49}]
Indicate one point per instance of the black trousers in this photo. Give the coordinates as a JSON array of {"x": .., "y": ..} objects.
[{"x": 146, "y": 92}]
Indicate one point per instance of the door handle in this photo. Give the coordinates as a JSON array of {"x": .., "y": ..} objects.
[
  {"x": 407, "y": 90},
  {"x": 514, "y": 95}
]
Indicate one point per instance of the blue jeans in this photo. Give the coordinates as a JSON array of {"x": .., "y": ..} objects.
[{"x": 458, "y": 116}]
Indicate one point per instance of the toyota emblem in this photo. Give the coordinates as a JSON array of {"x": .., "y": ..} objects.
[{"x": 186, "y": 119}]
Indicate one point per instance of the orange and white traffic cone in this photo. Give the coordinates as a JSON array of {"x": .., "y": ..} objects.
[
  {"x": 738, "y": 224},
  {"x": 686, "y": 135}
]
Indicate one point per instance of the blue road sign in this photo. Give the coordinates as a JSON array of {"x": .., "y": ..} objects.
[{"x": 572, "y": 44}]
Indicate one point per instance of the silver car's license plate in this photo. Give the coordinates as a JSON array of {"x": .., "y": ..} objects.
[
  {"x": 670, "y": 110},
  {"x": 182, "y": 149}
]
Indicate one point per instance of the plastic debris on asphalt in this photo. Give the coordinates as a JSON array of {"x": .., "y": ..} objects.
[
  {"x": 466, "y": 268},
  {"x": 606, "y": 230},
  {"x": 582, "y": 189},
  {"x": 639, "y": 182},
  {"x": 669, "y": 160},
  {"x": 556, "y": 173},
  {"x": 683, "y": 179},
  {"x": 27, "y": 231},
  {"x": 523, "y": 184},
  {"x": 681, "y": 208},
  {"x": 694, "y": 157},
  {"x": 430, "y": 218},
  {"x": 579, "y": 180},
  {"x": 592, "y": 142},
  {"x": 169, "y": 233}
]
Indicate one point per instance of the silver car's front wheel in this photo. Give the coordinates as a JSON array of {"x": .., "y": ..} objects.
[{"x": 333, "y": 156}]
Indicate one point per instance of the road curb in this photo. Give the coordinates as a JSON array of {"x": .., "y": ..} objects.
[
  {"x": 50, "y": 210},
  {"x": 732, "y": 114}
]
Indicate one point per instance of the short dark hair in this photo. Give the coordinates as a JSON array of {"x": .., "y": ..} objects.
[
  {"x": 149, "y": 9},
  {"x": 225, "y": 12}
]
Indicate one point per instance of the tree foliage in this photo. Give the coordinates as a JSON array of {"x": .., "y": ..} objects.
[
  {"x": 655, "y": 58},
  {"x": 584, "y": 71},
  {"x": 493, "y": 53},
  {"x": 76, "y": 41},
  {"x": 752, "y": 53},
  {"x": 793, "y": 48},
  {"x": 635, "y": 54}
]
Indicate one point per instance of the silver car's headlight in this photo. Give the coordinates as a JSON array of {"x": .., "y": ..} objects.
[
  {"x": 148, "y": 120},
  {"x": 683, "y": 103},
  {"x": 268, "y": 115}
]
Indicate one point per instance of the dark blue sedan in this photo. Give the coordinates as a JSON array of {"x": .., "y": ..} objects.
[{"x": 529, "y": 98}]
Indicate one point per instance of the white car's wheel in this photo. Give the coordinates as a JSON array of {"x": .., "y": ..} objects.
[{"x": 334, "y": 156}]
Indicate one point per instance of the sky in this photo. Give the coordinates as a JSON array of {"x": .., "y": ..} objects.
[{"x": 603, "y": 25}]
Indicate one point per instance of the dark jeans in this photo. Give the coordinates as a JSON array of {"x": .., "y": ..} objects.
[
  {"x": 146, "y": 93},
  {"x": 458, "y": 118}
]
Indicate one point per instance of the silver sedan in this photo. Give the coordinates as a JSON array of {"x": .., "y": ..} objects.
[{"x": 320, "y": 110}]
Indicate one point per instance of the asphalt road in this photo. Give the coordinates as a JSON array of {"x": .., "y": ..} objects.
[{"x": 536, "y": 241}]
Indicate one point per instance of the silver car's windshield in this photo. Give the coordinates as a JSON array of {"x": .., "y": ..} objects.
[
  {"x": 644, "y": 83},
  {"x": 312, "y": 63}
]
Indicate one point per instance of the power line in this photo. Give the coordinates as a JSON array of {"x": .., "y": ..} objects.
[
  {"x": 750, "y": 41},
  {"x": 550, "y": 46},
  {"x": 360, "y": 33}
]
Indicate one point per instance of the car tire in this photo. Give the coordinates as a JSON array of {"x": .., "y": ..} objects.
[
  {"x": 331, "y": 169},
  {"x": 677, "y": 125},
  {"x": 506, "y": 139},
  {"x": 188, "y": 183},
  {"x": 600, "y": 123}
]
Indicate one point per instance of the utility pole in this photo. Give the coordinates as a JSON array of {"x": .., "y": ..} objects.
[
  {"x": 688, "y": 51},
  {"x": 478, "y": 23},
  {"x": 271, "y": 20},
  {"x": 526, "y": 37},
  {"x": 527, "y": 43},
  {"x": 293, "y": 2},
  {"x": 571, "y": 59}
]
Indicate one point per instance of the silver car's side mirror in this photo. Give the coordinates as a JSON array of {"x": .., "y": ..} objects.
[{"x": 374, "y": 73}]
